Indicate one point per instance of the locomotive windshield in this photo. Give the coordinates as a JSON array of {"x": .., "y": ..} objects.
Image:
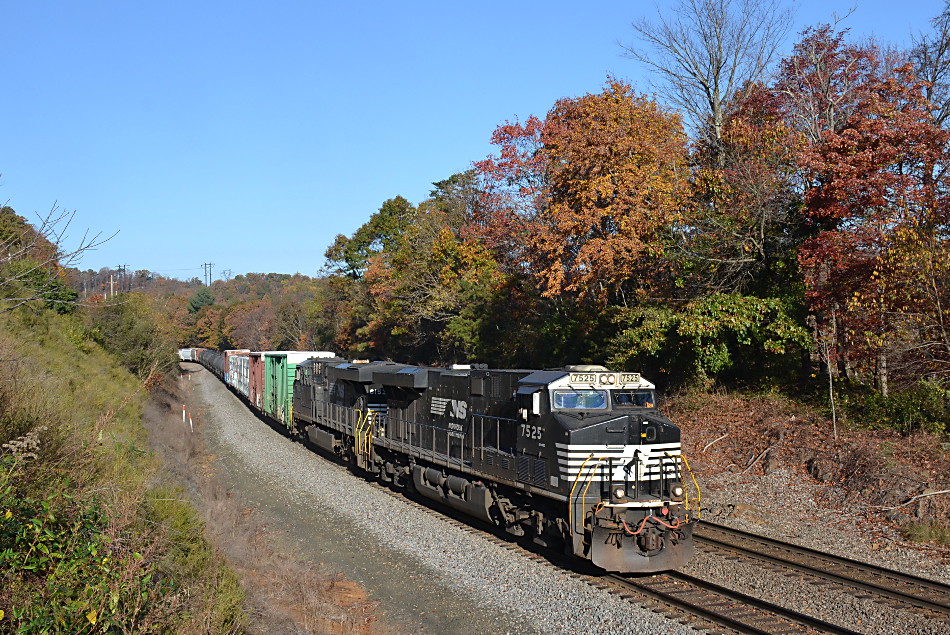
[
  {"x": 639, "y": 398},
  {"x": 580, "y": 399}
]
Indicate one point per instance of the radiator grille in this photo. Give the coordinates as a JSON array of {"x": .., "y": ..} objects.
[
  {"x": 532, "y": 470},
  {"x": 540, "y": 472},
  {"x": 524, "y": 469}
]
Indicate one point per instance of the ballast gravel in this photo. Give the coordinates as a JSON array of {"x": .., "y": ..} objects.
[{"x": 426, "y": 574}]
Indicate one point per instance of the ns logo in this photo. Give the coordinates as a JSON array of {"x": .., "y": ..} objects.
[{"x": 443, "y": 406}]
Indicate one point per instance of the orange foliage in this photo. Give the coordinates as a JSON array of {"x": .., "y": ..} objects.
[{"x": 589, "y": 194}]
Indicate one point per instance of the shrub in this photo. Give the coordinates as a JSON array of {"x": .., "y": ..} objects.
[
  {"x": 62, "y": 569},
  {"x": 128, "y": 329},
  {"x": 720, "y": 336},
  {"x": 927, "y": 532},
  {"x": 923, "y": 407},
  {"x": 83, "y": 545}
]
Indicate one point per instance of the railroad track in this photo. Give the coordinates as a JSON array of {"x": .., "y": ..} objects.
[
  {"x": 702, "y": 605},
  {"x": 861, "y": 579},
  {"x": 724, "y": 607}
]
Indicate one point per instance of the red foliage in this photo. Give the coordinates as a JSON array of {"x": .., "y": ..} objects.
[{"x": 878, "y": 200}]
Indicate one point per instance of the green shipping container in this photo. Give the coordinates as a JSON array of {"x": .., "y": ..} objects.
[
  {"x": 280, "y": 367},
  {"x": 274, "y": 363}
]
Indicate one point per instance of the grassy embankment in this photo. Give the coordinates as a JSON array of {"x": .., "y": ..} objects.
[{"x": 91, "y": 539}]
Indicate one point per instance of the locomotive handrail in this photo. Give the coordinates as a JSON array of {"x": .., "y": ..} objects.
[
  {"x": 368, "y": 441},
  {"x": 570, "y": 508},
  {"x": 356, "y": 429},
  {"x": 699, "y": 492},
  {"x": 361, "y": 437},
  {"x": 590, "y": 477}
]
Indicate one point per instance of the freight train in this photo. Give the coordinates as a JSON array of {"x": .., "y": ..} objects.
[{"x": 577, "y": 459}]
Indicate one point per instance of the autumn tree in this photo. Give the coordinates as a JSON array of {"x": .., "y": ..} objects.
[
  {"x": 514, "y": 188},
  {"x": 298, "y": 323},
  {"x": 34, "y": 259},
  {"x": 209, "y": 332},
  {"x": 179, "y": 320},
  {"x": 618, "y": 179},
  {"x": 457, "y": 197},
  {"x": 421, "y": 275},
  {"x": 432, "y": 293},
  {"x": 741, "y": 232},
  {"x": 824, "y": 79},
  {"x": 350, "y": 255},
  {"x": 881, "y": 216},
  {"x": 588, "y": 195},
  {"x": 344, "y": 306},
  {"x": 251, "y": 325}
]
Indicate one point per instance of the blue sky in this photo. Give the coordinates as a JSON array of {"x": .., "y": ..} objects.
[{"x": 250, "y": 134}]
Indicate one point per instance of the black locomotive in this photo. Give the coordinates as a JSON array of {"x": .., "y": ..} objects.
[{"x": 576, "y": 459}]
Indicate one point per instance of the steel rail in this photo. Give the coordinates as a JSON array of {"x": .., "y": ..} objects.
[
  {"x": 919, "y": 592},
  {"x": 726, "y": 607}
]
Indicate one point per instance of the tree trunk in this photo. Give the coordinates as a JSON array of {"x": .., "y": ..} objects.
[{"x": 882, "y": 372}]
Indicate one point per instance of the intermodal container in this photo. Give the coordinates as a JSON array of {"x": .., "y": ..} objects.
[
  {"x": 280, "y": 369},
  {"x": 231, "y": 366}
]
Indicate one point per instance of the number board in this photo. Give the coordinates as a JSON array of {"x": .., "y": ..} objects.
[{"x": 605, "y": 380}]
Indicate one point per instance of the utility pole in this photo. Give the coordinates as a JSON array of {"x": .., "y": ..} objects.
[{"x": 207, "y": 267}]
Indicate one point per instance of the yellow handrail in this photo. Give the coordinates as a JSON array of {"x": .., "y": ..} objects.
[
  {"x": 699, "y": 492},
  {"x": 590, "y": 477},
  {"x": 570, "y": 508},
  {"x": 357, "y": 427},
  {"x": 368, "y": 441}
]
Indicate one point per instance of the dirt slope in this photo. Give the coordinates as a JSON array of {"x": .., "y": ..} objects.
[{"x": 881, "y": 481}]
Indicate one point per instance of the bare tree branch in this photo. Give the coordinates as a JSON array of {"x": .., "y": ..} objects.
[
  {"x": 931, "y": 58},
  {"x": 33, "y": 257},
  {"x": 708, "y": 52}
]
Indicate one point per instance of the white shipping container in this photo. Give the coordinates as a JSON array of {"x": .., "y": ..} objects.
[
  {"x": 232, "y": 371},
  {"x": 241, "y": 378}
]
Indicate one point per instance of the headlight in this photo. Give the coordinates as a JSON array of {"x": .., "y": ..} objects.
[
  {"x": 620, "y": 492},
  {"x": 678, "y": 492}
]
